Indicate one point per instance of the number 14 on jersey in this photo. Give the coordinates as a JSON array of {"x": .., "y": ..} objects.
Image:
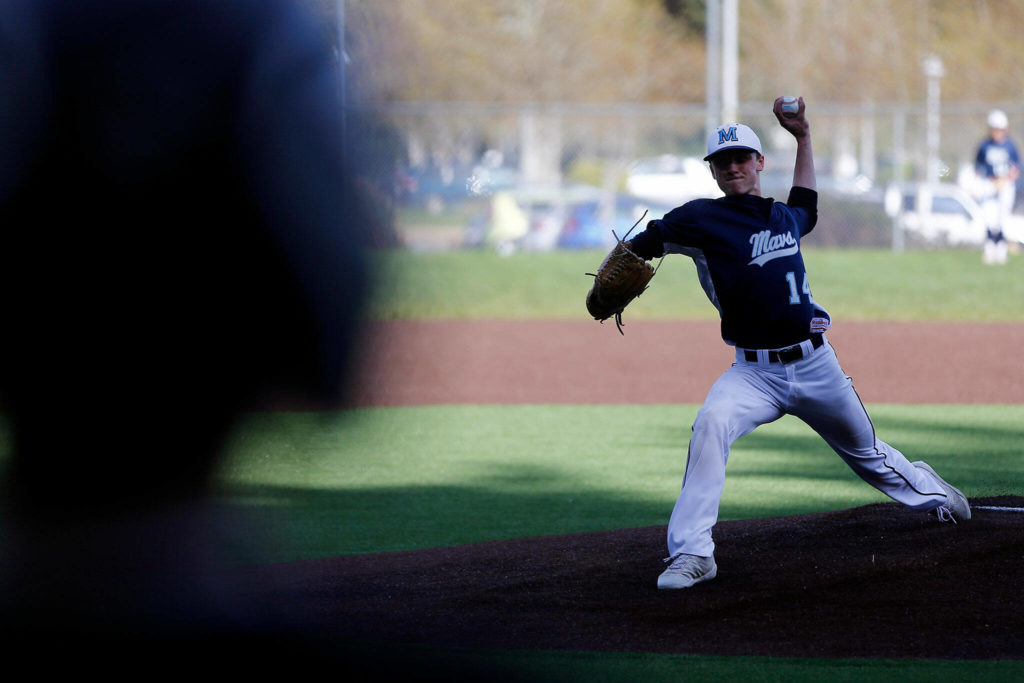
[{"x": 794, "y": 292}]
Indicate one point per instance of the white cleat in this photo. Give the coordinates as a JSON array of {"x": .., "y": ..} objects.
[
  {"x": 685, "y": 570},
  {"x": 956, "y": 508}
]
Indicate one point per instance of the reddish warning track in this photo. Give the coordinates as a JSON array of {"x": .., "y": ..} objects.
[{"x": 444, "y": 362}]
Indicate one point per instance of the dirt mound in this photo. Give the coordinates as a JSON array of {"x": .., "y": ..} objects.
[{"x": 874, "y": 581}]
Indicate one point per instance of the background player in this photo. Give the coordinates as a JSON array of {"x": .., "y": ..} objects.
[
  {"x": 747, "y": 252},
  {"x": 997, "y": 165}
]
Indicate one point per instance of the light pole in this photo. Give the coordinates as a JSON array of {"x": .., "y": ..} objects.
[
  {"x": 713, "y": 76},
  {"x": 730, "y": 60},
  {"x": 722, "y": 72},
  {"x": 933, "y": 71}
]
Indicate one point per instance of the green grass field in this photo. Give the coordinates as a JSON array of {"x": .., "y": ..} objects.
[
  {"x": 631, "y": 667},
  {"x": 950, "y": 285},
  {"x": 386, "y": 479}
]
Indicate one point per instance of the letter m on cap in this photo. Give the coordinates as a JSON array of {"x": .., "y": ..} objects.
[{"x": 727, "y": 135}]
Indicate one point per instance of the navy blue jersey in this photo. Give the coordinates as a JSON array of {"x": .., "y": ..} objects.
[
  {"x": 747, "y": 253},
  {"x": 994, "y": 159}
]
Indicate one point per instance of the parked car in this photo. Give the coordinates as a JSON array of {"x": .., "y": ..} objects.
[
  {"x": 572, "y": 216},
  {"x": 590, "y": 223},
  {"x": 529, "y": 218},
  {"x": 671, "y": 180},
  {"x": 943, "y": 213}
]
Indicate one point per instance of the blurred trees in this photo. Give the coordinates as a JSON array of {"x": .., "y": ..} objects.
[
  {"x": 525, "y": 50},
  {"x": 519, "y": 64},
  {"x": 855, "y": 51},
  {"x": 600, "y": 51}
]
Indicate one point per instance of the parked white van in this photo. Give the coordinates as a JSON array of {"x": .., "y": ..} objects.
[{"x": 943, "y": 213}]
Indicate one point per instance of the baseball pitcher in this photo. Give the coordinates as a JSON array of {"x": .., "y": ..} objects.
[{"x": 747, "y": 252}]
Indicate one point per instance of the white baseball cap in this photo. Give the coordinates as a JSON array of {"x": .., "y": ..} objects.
[
  {"x": 997, "y": 120},
  {"x": 732, "y": 136}
]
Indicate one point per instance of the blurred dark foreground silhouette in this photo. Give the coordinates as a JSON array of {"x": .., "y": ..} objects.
[{"x": 180, "y": 241}]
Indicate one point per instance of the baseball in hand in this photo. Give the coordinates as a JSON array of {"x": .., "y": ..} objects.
[{"x": 790, "y": 107}]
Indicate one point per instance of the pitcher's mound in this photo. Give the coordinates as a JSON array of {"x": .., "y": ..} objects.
[{"x": 874, "y": 581}]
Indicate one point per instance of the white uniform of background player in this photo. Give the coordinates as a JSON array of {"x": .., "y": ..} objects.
[{"x": 997, "y": 166}]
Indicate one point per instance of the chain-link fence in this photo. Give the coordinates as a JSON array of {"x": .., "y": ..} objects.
[{"x": 564, "y": 176}]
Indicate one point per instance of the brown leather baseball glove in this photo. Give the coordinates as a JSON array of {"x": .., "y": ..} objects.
[{"x": 622, "y": 277}]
